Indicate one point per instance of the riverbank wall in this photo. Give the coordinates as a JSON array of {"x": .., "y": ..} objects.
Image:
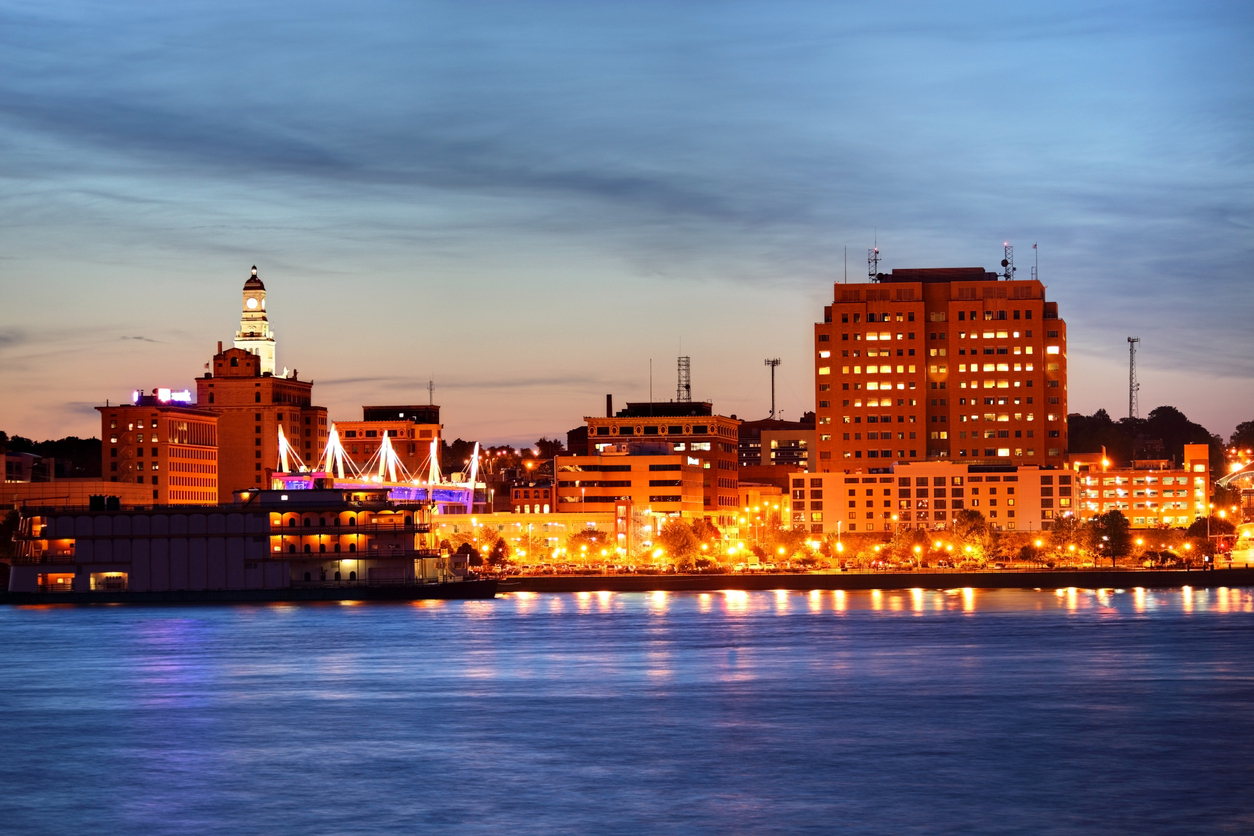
[{"x": 1083, "y": 579}]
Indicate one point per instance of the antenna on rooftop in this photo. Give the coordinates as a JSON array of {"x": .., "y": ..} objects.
[
  {"x": 1008, "y": 262},
  {"x": 1134, "y": 406},
  {"x": 684, "y": 393},
  {"x": 873, "y": 261},
  {"x": 430, "y": 393},
  {"x": 773, "y": 362},
  {"x": 1036, "y": 268}
]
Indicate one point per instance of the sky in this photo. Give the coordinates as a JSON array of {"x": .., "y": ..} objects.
[{"x": 537, "y": 204}]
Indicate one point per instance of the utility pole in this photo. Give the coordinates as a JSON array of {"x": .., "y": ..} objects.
[
  {"x": 1133, "y": 386},
  {"x": 773, "y": 362}
]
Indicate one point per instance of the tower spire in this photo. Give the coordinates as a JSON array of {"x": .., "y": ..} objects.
[{"x": 254, "y": 334}]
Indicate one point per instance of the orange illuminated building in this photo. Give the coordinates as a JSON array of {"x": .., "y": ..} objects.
[
  {"x": 251, "y": 407},
  {"x": 155, "y": 441},
  {"x": 411, "y": 429},
  {"x": 688, "y": 428},
  {"x": 252, "y": 402},
  {"x": 940, "y": 364}
]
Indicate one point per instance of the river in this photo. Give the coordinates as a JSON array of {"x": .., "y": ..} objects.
[{"x": 966, "y": 711}]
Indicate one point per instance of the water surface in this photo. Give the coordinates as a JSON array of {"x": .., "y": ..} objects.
[{"x": 762, "y": 712}]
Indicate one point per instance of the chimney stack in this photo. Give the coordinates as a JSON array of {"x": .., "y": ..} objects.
[
  {"x": 219, "y": 346},
  {"x": 609, "y": 406}
]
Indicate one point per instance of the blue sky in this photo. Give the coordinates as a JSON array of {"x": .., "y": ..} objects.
[{"x": 529, "y": 202}]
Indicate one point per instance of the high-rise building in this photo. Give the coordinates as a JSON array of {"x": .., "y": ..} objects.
[
  {"x": 940, "y": 364},
  {"x": 161, "y": 440},
  {"x": 254, "y": 334}
]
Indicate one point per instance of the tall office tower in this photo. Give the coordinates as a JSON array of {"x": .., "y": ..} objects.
[{"x": 940, "y": 364}]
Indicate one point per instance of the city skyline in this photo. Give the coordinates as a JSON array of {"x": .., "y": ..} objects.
[{"x": 529, "y": 208}]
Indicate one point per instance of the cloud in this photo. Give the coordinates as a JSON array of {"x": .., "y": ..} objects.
[{"x": 144, "y": 339}]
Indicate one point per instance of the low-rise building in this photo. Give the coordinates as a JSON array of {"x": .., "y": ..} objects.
[
  {"x": 532, "y": 497},
  {"x": 687, "y": 428},
  {"x": 1150, "y": 494},
  {"x": 266, "y": 539},
  {"x": 411, "y": 429},
  {"x": 929, "y": 495},
  {"x": 652, "y": 476}
]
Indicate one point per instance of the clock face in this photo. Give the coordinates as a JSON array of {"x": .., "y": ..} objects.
[{"x": 252, "y": 303}]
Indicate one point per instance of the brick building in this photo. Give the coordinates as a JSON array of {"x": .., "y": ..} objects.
[
  {"x": 251, "y": 406},
  {"x": 959, "y": 365},
  {"x": 411, "y": 429},
  {"x": 156, "y": 441}
]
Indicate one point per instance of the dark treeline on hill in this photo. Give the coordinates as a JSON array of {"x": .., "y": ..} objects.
[
  {"x": 1162, "y": 435},
  {"x": 75, "y": 457}
]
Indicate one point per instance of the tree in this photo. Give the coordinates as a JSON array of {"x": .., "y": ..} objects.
[
  {"x": 472, "y": 552},
  {"x": 500, "y": 552},
  {"x": 1243, "y": 436},
  {"x": 550, "y": 447},
  {"x": 679, "y": 542},
  {"x": 586, "y": 542},
  {"x": 1112, "y": 529},
  {"x": 972, "y": 534},
  {"x": 1204, "y": 527}
]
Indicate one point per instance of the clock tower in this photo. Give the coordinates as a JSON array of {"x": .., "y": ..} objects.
[{"x": 254, "y": 335}]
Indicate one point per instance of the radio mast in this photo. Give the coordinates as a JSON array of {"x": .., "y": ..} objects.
[
  {"x": 773, "y": 363},
  {"x": 1134, "y": 407}
]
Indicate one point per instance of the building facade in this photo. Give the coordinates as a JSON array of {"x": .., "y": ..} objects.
[
  {"x": 161, "y": 445},
  {"x": 411, "y": 429},
  {"x": 685, "y": 428},
  {"x": 264, "y": 540},
  {"x": 960, "y": 365},
  {"x": 650, "y": 477},
  {"x": 1151, "y": 494},
  {"x": 251, "y": 407},
  {"x": 928, "y": 495}
]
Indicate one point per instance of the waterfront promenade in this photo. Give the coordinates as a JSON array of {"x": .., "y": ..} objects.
[{"x": 922, "y": 579}]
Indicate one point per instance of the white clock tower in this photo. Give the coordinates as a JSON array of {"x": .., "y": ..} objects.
[{"x": 254, "y": 335}]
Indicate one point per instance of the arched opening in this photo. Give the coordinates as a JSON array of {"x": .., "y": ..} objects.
[
  {"x": 352, "y": 547},
  {"x": 308, "y": 550},
  {"x": 337, "y": 522},
  {"x": 291, "y": 549},
  {"x": 308, "y": 522},
  {"x": 337, "y": 575},
  {"x": 352, "y": 521},
  {"x": 234, "y": 361},
  {"x": 322, "y": 548},
  {"x": 337, "y": 548},
  {"x": 210, "y": 397},
  {"x": 291, "y": 522},
  {"x": 256, "y": 396},
  {"x": 352, "y": 576},
  {"x": 409, "y": 520}
]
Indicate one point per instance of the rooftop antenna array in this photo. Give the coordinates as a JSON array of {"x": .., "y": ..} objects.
[
  {"x": 1134, "y": 407},
  {"x": 773, "y": 362},
  {"x": 684, "y": 393},
  {"x": 1036, "y": 268},
  {"x": 1008, "y": 262},
  {"x": 873, "y": 262},
  {"x": 430, "y": 393}
]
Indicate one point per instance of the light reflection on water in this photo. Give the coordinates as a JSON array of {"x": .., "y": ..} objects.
[{"x": 913, "y": 710}]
